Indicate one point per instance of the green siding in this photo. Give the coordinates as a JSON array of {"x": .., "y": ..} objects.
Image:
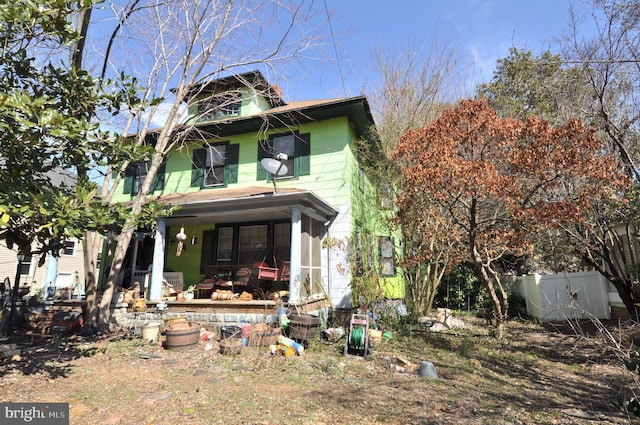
[{"x": 332, "y": 169}]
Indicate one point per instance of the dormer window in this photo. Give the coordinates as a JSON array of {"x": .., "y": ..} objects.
[{"x": 221, "y": 106}]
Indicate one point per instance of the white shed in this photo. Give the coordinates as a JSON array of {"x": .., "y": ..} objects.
[{"x": 565, "y": 296}]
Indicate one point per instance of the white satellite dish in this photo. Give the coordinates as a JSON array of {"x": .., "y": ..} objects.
[{"x": 274, "y": 167}]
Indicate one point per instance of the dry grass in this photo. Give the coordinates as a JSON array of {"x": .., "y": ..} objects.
[{"x": 537, "y": 375}]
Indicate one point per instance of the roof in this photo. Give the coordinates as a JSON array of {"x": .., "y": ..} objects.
[
  {"x": 253, "y": 79},
  {"x": 295, "y": 113},
  {"x": 245, "y": 204}
]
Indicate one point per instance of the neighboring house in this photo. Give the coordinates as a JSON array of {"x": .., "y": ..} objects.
[
  {"x": 65, "y": 271},
  {"x": 320, "y": 218}
]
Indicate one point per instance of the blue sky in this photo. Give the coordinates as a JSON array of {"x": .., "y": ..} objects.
[{"x": 481, "y": 30}]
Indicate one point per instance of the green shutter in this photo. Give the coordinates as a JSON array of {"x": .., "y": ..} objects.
[
  {"x": 231, "y": 164},
  {"x": 262, "y": 153},
  {"x": 303, "y": 154},
  {"x": 158, "y": 179},
  {"x": 129, "y": 176},
  {"x": 197, "y": 171}
]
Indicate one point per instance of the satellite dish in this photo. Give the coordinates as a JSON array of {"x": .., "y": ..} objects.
[{"x": 274, "y": 167}]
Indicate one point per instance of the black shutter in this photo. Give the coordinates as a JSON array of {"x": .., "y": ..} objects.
[
  {"x": 158, "y": 179},
  {"x": 129, "y": 176},
  {"x": 303, "y": 154},
  {"x": 197, "y": 171},
  {"x": 262, "y": 153},
  {"x": 231, "y": 164}
]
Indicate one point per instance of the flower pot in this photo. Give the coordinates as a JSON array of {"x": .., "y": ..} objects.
[
  {"x": 151, "y": 331},
  {"x": 178, "y": 339}
]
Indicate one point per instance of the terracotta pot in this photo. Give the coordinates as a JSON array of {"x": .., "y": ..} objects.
[{"x": 139, "y": 305}]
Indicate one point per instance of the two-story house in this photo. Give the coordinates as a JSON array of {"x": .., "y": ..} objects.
[
  {"x": 63, "y": 272},
  {"x": 267, "y": 182}
]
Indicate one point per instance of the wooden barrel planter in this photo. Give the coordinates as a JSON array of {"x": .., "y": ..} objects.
[
  {"x": 264, "y": 335},
  {"x": 181, "y": 337},
  {"x": 303, "y": 327}
]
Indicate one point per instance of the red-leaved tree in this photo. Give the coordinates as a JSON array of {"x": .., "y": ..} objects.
[{"x": 496, "y": 181}]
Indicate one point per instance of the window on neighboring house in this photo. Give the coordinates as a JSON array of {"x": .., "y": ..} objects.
[
  {"x": 296, "y": 146},
  {"x": 215, "y": 165},
  {"x": 221, "y": 106},
  {"x": 135, "y": 175},
  {"x": 25, "y": 267},
  {"x": 386, "y": 256},
  {"x": 69, "y": 248}
]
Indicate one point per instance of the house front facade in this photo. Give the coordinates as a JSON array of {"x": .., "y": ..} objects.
[{"x": 271, "y": 186}]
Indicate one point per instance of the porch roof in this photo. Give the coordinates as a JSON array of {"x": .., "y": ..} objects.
[{"x": 246, "y": 204}]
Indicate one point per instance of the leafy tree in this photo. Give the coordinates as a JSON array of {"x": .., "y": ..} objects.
[
  {"x": 416, "y": 85},
  {"x": 498, "y": 180},
  {"x": 46, "y": 112}
]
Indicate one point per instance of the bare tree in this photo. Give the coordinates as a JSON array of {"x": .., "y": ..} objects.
[
  {"x": 172, "y": 47},
  {"x": 416, "y": 85},
  {"x": 611, "y": 69}
]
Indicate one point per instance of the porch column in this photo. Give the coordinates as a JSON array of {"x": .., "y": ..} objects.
[
  {"x": 296, "y": 255},
  {"x": 157, "y": 268},
  {"x": 52, "y": 275}
]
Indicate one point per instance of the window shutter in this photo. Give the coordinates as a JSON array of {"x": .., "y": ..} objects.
[
  {"x": 231, "y": 164},
  {"x": 158, "y": 179},
  {"x": 197, "y": 171},
  {"x": 129, "y": 176},
  {"x": 303, "y": 154},
  {"x": 262, "y": 153}
]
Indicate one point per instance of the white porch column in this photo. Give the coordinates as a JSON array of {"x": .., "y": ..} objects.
[
  {"x": 155, "y": 286},
  {"x": 52, "y": 275},
  {"x": 296, "y": 255}
]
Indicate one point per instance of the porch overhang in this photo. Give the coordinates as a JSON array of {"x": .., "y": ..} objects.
[{"x": 247, "y": 204}]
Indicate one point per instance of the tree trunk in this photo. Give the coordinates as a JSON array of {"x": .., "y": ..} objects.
[
  {"x": 497, "y": 294},
  {"x": 92, "y": 243}
]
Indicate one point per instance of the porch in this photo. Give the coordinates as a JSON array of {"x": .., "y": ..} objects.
[{"x": 208, "y": 313}]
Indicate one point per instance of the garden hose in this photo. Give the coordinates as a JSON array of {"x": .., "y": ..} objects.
[{"x": 356, "y": 339}]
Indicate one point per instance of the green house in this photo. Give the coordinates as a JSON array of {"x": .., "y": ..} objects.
[{"x": 271, "y": 186}]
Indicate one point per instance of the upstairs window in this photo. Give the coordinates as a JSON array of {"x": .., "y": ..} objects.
[
  {"x": 215, "y": 165},
  {"x": 135, "y": 175},
  {"x": 385, "y": 195},
  {"x": 285, "y": 145},
  {"x": 297, "y": 148},
  {"x": 69, "y": 248},
  {"x": 221, "y": 106}
]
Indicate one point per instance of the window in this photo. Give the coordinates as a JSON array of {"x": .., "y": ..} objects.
[
  {"x": 285, "y": 145},
  {"x": 386, "y": 256},
  {"x": 385, "y": 195},
  {"x": 295, "y": 146},
  {"x": 215, "y": 165},
  {"x": 221, "y": 106},
  {"x": 252, "y": 244},
  {"x": 225, "y": 245},
  {"x": 135, "y": 175},
  {"x": 69, "y": 248},
  {"x": 25, "y": 267}
]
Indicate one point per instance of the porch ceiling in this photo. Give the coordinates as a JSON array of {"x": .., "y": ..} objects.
[{"x": 247, "y": 204}]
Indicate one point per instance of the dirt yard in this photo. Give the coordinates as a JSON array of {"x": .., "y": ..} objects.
[{"x": 538, "y": 375}]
